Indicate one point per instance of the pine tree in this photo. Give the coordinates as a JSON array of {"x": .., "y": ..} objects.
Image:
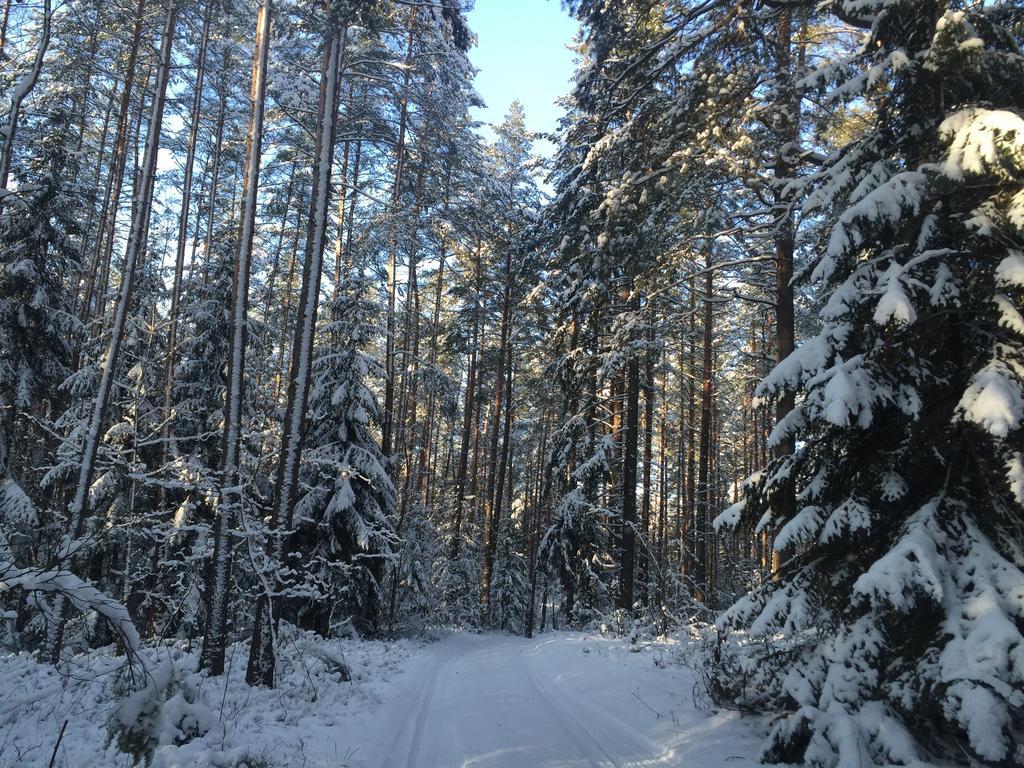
[
  {"x": 219, "y": 576},
  {"x": 893, "y": 633}
]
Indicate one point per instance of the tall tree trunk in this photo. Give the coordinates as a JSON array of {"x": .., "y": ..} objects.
[
  {"x": 18, "y": 94},
  {"x": 218, "y": 147},
  {"x": 662, "y": 560},
  {"x": 408, "y": 394},
  {"x": 286, "y": 307},
  {"x": 219, "y": 579},
  {"x": 541, "y": 482},
  {"x": 339, "y": 243},
  {"x": 179, "y": 270},
  {"x": 492, "y": 499},
  {"x": 787, "y": 114},
  {"x": 93, "y": 188},
  {"x": 648, "y": 457},
  {"x": 82, "y": 106},
  {"x": 182, "y": 241},
  {"x": 387, "y": 417},
  {"x": 408, "y": 402},
  {"x": 115, "y": 176},
  {"x": 467, "y": 421},
  {"x": 5, "y": 16},
  {"x": 79, "y": 510},
  {"x": 261, "y": 665},
  {"x": 354, "y": 202},
  {"x": 630, "y": 441},
  {"x": 701, "y": 572},
  {"x": 274, "y": 276},
  {"x": 427, "y": 451},
  {"x": 691, "y": 432}
]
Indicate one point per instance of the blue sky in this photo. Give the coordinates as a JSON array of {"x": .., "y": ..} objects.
[{"x": 521, "y": 54}]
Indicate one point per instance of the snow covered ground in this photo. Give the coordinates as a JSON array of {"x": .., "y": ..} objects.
[{"x": 561, "y": 699}]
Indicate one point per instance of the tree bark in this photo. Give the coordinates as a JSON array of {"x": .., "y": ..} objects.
[
  {"x": 219, "y": 580},
  {"x": 18, "y": 95},
  {"x": 467, "y": 423},
  {"x": 630, "y": 442},
  {"x": 701, "y": 571},
  {"x": 492, "y": 499},
  {"x": 261, "y": 665},
  {"x": 115, "y": 178},
  {"x": 648, "y": 457},
  {"x": 387, "y": 417},
  {"x": 787, "y": 108},
  {"x": 79, "y": 510}
]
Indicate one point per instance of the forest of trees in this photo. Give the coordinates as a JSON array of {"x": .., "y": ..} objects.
[{"x": 284, "y": 338}]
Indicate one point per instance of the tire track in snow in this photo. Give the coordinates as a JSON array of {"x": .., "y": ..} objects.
[
  {"x": 416, "y": 715},
  {"x": 569, "y": 720},
  {"x": 647, "y": 753}
]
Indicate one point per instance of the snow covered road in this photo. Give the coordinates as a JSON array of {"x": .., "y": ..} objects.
[{"x": 561, "y": 700}]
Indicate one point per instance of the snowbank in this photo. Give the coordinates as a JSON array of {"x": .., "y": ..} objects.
[{"x": 310, "y": 719}]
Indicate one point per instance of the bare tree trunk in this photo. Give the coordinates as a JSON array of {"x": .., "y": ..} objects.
[
  {"x": 79, "y": 511},
  {"x": 274, "y": 276},
  {"x": 219, "y": 579},
  {"x": 179, "y": 256},
  {"x": 218, "y": 147},
  {"x": 261, "y": 665},
  {"x": 4, "y": 17},
  {"x": 662, "y": 561},
  {"x": 427, "y": 451},
  {"x": 282, "y": 342},
  {"x": 784, "y": 500},
  {"x": 629, "y": 458},
  {"x": 18, "y": 95},
  {"x": 179, "y": 269},
  {"x": 629, "y": 438},
  {"x": 387, "y": 417},
  {"x": 648, "y": 457},
  {"x": 467, "y": 425},
  {"x": 408, "y": 409},
  {"x": 339, "y": 243},
  {"x": 115, "y": 176},
  {"x": 492, "y": 510},
  {"x": 407, "y": 401},
  {"x": 87, "y": 229},
  {"x": 701, "y": 572},
  {"x": 353, "y": 203},
  {"x": 691, "y": 432},
  {"x": 541, "y": 482}
]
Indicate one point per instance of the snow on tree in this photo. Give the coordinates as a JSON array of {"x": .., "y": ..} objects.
[
  {"x": 893, "y": 632},
  {"x": 509, "y": 587},
  {"x": 344, "y": 541},
  {"x": 575, "y": 544}
]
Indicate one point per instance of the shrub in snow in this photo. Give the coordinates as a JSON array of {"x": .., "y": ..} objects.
[
  {"x": 167, "y": 710},
  {"x": 893, "y": 634}
]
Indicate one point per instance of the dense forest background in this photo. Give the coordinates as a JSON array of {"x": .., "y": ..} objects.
[{"x": 283, "y": 339}]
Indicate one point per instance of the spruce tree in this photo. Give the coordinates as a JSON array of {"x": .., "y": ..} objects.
[
  {"x": 509, "y": 587},
  {"x": 344, "y": 539},
  {"x": 893, "y": 633}
]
